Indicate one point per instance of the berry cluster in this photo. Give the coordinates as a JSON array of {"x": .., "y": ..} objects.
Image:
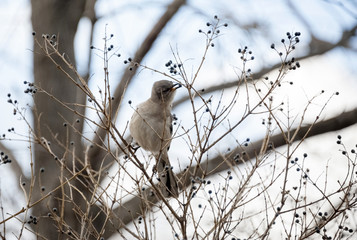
[
  {"x": 51, "y": 38},
  {"x": 213, "y": 30},
  {"x": 107, "y": 49},
  {"x": 31, "y": 88},
  {"x": 10, "y": 100},
  {"x": 299, "y": 167},
  {"x": 110, "y": 47},
  {"x": 245, "y": 53},
  {"x": 4, "y": 158},
  {"x": 289, "y": 45},
  {"x": 33, "y": 220},
  {"x": 344, "y": 151},
  {"x": 130, "y": 60},
  {"x": 172, "y": 67},
  {"x": 127, "y": 61}
]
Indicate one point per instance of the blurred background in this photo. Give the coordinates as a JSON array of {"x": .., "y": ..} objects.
[{"x": 327, "y": 52}]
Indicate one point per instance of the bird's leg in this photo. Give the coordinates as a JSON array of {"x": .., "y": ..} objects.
[
  {"x": 134, "y": 146},
  {"x": 154, "y": 168}
]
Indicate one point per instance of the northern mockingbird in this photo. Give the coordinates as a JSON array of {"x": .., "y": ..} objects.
[{"x": 151, "y": 128}]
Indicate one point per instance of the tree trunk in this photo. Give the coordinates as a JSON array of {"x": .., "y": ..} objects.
[{"x": 59, "y": 17}]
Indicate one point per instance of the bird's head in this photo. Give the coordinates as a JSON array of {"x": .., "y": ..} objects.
[{"x": 164, "y": 91}]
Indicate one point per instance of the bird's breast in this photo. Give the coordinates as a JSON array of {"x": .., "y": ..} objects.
[{"x": 151, "y": 131}]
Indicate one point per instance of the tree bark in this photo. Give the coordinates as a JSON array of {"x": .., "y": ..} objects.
[{"x": 59, "y": 17}]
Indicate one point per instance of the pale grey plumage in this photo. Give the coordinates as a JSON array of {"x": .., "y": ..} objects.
[{"x": 151, "y": 128}]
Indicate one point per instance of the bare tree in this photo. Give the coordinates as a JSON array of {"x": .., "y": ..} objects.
[{"x": 66, "y": 196}]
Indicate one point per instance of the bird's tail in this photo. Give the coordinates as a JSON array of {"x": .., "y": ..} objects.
[{"x": 167, "y": 176}]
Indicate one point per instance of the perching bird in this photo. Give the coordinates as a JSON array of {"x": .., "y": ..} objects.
[{"x": 151, "y": 128}]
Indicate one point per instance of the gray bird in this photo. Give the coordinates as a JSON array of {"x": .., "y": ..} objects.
[{"x": 151, "y": 128}]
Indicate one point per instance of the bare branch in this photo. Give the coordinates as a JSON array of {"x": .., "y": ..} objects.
[
  {"x": 132, "y": 208},
  {"x": 128, "y": 75},
  {"x": 316, "y": 46}
]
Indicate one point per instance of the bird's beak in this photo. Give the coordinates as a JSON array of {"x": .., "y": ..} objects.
[{"x": 175, "y": 86}]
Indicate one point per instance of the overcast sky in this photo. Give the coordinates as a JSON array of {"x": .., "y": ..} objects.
[{"x": 129, "y": 21}]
